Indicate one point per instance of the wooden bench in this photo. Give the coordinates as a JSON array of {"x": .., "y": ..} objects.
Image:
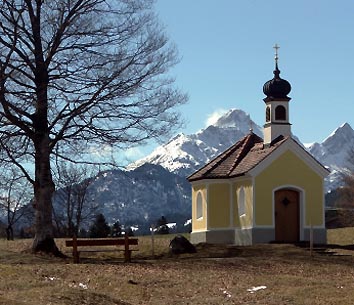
[{"x": 102, "y": 242}]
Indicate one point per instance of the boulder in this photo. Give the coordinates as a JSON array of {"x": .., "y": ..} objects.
[{"x": 180, "y": 245}]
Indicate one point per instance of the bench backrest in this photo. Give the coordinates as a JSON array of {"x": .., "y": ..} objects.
[{"x": 102, "y": 242}]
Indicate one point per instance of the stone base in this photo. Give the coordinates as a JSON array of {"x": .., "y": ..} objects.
[
  {"x": 251, "y": 236},
  {"x": 319, "y": 235},
  {"x": 213, "y": 237},
  {"x": 247, "y": 237}
]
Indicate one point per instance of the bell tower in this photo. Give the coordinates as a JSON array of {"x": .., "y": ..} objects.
[{"x": 277, "y": 105}]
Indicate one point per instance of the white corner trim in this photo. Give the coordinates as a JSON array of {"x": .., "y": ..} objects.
[
  {"x": 254, "y": 206},
  {"x": 207, "y": 206},
  {"x": 231, "y": 210}
]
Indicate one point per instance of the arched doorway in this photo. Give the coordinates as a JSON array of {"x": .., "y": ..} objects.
[{"x": 287, "y": 215}]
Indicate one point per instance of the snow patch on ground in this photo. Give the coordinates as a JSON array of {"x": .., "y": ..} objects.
[{"x": 256, "y": 288}]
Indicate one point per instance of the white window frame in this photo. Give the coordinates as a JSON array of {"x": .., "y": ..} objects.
[
  {"x": 241, "y": 202},
  {"x": 199, "y": 206}
]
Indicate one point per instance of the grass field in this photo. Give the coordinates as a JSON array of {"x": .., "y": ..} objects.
[{"x": 262, "y": 274}]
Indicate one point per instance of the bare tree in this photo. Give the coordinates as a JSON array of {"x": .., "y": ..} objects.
[
  {"x": 15, "y": 196},
  {"x": 346, "y": 192},
  {"x": 72, "y": 207},
  {"x": 77, "y": 75},
  {"x": 344, "y": 202}
]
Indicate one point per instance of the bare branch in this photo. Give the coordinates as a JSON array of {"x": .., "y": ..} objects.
[{"x": 76, "y": 75}]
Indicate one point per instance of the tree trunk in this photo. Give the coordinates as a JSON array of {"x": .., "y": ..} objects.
[
  {"x": 43, "y": 192},
  {"x": 43, "y": 185},
  {"x": 9, "y": 233}
]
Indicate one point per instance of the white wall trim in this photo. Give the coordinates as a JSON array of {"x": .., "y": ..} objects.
[
  {"x": 323, "y": 206},
  {"x": 254, "y": 202},
  {"x": 207, "y": 205},
  {"x": 231, "y": 205}
]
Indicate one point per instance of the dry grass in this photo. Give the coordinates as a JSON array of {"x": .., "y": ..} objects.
[
  {"x": 342, "y": 236},
  {"x": 214, "y": 275}
]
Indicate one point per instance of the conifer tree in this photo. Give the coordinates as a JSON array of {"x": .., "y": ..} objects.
[
  {"x": 162, "y": 227},
  {"x": 116, "y": 229},
  {"x": 100, "y": 228}
]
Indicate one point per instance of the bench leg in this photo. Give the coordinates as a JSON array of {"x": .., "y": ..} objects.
[
  {"x": 127, "y": 256},
  {"x": 76, "y": 253},
  {"x": 76, "y": 257},
  {"x": 127, "y": 252}
]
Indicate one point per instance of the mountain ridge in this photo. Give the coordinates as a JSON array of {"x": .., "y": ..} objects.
[{"x": 185, "y": 154}]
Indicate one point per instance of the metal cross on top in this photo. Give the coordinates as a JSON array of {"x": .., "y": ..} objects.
[
  {"x": 276, "y": 47},
  {"x": 251, "y": 123}
]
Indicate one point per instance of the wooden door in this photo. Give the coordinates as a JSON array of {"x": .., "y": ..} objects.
[{"x": 287, "y": 216}]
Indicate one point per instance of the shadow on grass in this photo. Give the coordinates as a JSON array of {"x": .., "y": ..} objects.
[
  {"x": 329, "y": 254},
  {"x": 78, "y": 297},
  {"x": 26, "y": 257}
]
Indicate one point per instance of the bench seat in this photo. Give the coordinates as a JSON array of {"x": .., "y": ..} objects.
[{"x": 78, "y": 244}]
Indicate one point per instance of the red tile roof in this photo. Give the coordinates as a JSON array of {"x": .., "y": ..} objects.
[{"x": 238, "y": 159}]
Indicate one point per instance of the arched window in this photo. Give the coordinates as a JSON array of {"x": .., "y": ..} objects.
[
  {"x": 241, "y": 202},
  {"x": 268, "y": 114},
  {"x": 280, "y": 113},
  {"x": 199, "y": 205}
]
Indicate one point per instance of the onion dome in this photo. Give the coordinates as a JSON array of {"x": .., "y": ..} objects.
[{"x": 276, "y": 88}]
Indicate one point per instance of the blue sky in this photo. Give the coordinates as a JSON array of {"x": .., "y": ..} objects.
[{"x": 226, "y": 50}]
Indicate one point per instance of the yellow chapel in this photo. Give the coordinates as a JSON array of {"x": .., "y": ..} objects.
[{"x": 261, "y": 190}]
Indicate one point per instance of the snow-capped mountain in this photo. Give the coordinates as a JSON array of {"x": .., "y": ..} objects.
[
  {"x": 184, "y": 154},
  {"x": 334, "y": 152}
]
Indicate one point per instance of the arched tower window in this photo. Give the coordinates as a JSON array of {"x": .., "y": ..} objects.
[
  {"x": 199, "y": 205},
  {"x": 267, "y": 114},
  {"x": 280, "y": 113}
]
